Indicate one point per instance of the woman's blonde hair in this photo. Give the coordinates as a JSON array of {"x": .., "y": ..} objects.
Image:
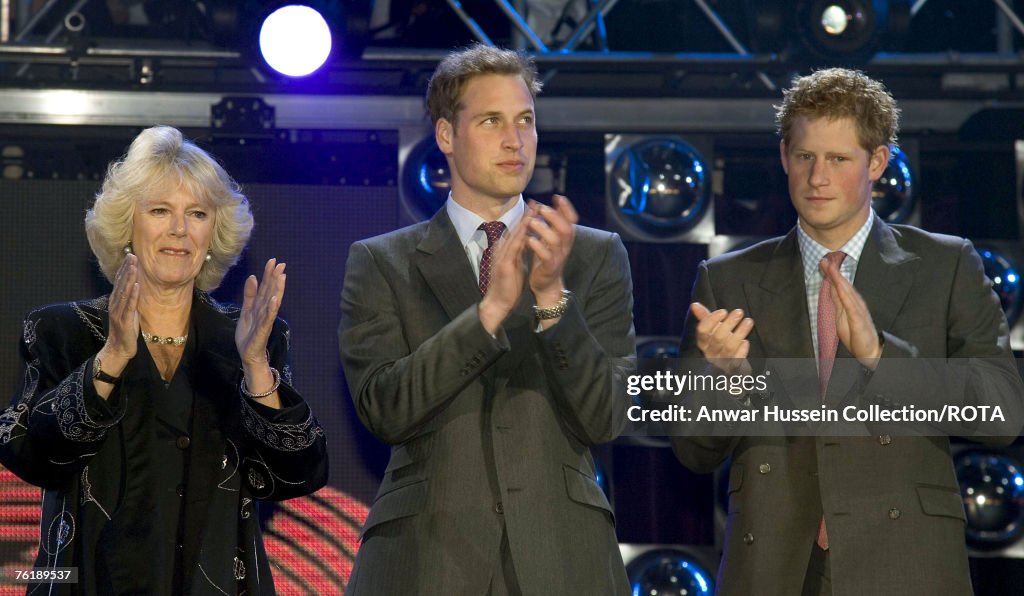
[{"x": 161, "y": 160}]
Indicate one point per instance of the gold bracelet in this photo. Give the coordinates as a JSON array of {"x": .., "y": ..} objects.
[{"x": 245, "y": 390}]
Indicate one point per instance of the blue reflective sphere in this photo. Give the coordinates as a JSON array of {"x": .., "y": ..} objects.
[
  {"x": 992, "y": 489},
  {"x": 668, "y": 572},
  {"x": 892, "y": 196},
  {"x": 601, "y": 477},
  {"x": 426, "y": 180},
  {"x": 659, "y": 185},
  {"x": 1005, "y": 282},
  {"x": 657, "y": 348}
]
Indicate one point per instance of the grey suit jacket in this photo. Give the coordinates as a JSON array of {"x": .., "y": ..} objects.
[
  {"x": 486, "y": 432},
  {"x": 891, "y": 503}
]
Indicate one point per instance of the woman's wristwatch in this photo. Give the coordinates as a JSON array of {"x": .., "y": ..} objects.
[{"x": 99, "y": 375}]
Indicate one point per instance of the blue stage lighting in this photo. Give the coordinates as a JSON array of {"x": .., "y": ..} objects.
[
  {"x": 425, "y": 179},
  {"x": 295, "y": 40},
  {"x": 659, "y": 185},
  {"x": 892, "y": 196},
  {"x": 657, "y": 347},
  {"x": 992, "y": 489},
  {"x": 602, "y": 478},
  {"x": 667, "y": 571},
  {"x": 1006, "y": 282}
]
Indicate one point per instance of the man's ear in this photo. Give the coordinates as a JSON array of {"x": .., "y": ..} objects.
[
  {"x": 784, "y": 157},
  {"x": 443, "y": 133},
  {"x": 878, "y": 161}
]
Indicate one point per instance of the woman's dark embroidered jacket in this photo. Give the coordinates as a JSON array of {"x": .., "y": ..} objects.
[{"x": 87, "y": 454}]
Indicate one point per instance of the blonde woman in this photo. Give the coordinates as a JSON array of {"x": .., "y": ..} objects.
[{"x": 153, "y": 417}]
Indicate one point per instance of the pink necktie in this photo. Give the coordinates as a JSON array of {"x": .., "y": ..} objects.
[
  {"x": 494, "y": 230},
  {"x": 828, "y": 342}
]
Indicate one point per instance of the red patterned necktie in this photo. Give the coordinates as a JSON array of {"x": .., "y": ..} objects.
[
  {"x": 828, "y": 343},
  {"x": 494, "y": 230}
]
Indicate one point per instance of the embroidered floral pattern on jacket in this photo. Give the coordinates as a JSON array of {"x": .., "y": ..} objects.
[
  {"x": 68, "y": 405},
  {"x": 283, "y": 437},
  {"x": 11, "y": 419},
  {"x": 93, "y": 320}
]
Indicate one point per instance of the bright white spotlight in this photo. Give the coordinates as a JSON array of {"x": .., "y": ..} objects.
[
  {"x": 834, "y": 19},
  {"x": 295, "y": 40}
]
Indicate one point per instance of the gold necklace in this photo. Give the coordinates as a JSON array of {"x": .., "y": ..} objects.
[{"x": 168, "y": 341}]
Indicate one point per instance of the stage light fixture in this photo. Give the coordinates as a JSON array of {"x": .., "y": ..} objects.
[
  {"x": 657, "y": 186},
  {"x": 850, "y": 31},
  {"x": 1006, "y": 282},
  {"x": 425, "y": 179},
  {"x": 893, "y": 196},
  {"x": 295, "y": 40},
  {"x": 602, "y": 478},
  {"x": 835, "y": 19},
  {"x": 657, "y": 347},
  {"x": 668, "y": 571},
  {"x": 992, "y": 489}
]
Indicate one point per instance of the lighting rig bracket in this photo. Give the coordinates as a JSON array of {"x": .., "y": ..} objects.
[{"x": 244, "y": 118}]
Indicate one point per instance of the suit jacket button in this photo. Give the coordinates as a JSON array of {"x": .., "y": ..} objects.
[
  {"x": 884, "y": 439},
  {"x": 499, "y": 508},
  {"x": 894, "y": 514},
  {"x": 765, "y": 468},
  {"x": 748, "y": 538},
  {"x": 182, "y": 442}
]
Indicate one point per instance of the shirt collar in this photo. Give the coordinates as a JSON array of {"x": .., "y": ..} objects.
[
  {"x": 467, "y": 223},
  {"x": 812, "y": 252}
]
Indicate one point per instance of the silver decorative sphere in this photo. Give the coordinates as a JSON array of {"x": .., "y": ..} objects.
[
  {"x": 1005, "y": 282},
  {"x": 668, "y": 572},
  {"x": 893, "y": 195},
  {"x": 659, "y": 185},
  {"x": 992, "y": 489}
]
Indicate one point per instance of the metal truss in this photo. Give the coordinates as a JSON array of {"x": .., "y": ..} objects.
[{"x": 56, "y": 55}]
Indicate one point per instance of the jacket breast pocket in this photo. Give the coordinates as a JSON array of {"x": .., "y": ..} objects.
[
  {"x": 584, "y": 490},
  {"x": 403, "y": 457},
  {"x": 941, "y": 501},
  {"x": 398, "y": 502}
]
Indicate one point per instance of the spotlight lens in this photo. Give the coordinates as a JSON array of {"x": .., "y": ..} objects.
[
  {"x": 1005, "y": 283},
  {"x": 834, "y": 19},
  {"x": 990, "y": 486},
  {"x": 668, "y": 571},
  {"x": 660, "y": 185},
  {"x": 892, "y": 196},
  {"x": 295, "y": 40}
]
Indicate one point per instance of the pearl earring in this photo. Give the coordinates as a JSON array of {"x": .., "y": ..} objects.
[
  {"x": 128, "y": 250},
  {"x": 208, "y": 257}
]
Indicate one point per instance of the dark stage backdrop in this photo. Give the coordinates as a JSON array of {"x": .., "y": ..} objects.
[{"x": 47, "y": 259}]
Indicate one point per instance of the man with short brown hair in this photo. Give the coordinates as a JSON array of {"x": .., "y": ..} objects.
[{"x": 490, "y": 366}]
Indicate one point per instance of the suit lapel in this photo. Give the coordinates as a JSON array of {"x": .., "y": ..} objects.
[
  {"x": 778, "y": 304},
  {"x": 882, "y": 275},
  {"x": 884, "y": 282},
  {"x": 442, "y": 261}
]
